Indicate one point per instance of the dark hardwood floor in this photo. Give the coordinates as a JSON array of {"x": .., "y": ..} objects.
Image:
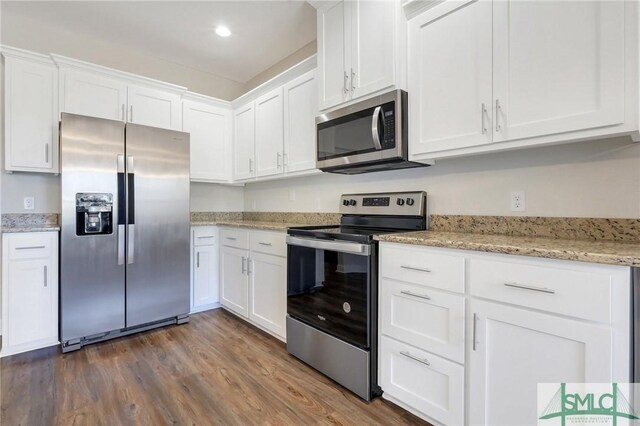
[{"x": 215, "y": 370}]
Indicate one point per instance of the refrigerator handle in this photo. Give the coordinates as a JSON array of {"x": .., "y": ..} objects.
[
  {"x": 131, "y": 214},
  {"x": 122, "y": 212}
]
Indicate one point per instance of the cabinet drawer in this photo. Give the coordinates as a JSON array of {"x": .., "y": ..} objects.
[
  {"x": 234, "y": 238},
  {"x": 204, "y": 236},
  {"x": 269, "y": 242},
  {"x": 422, "y": 266},
  {"x": 572, "y": 290},
  {"x": 427, "y": 383},
  {"x": 29, "y": 245},
  {"x": 429, "y": 319}
]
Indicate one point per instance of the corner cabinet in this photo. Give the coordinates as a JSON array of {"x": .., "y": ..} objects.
[
  {"x": 244, "y": 139},
  {"x": 30, "y": 108},
  {"x": 480, "y": 81},
  {"x": 29, "y": 291},
  {"x": 209, "y": 122},
  {"x": 359, "y": 46}
]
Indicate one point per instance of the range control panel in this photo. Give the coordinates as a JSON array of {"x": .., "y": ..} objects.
[{"x": 393, "y": 203}]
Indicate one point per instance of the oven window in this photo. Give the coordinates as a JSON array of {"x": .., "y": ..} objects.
[
  {"x": 330, "y": 291},
  {"x": 348, "y": 135}
]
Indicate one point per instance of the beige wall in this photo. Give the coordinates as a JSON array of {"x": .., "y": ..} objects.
[{"x": 586, "y": 179}]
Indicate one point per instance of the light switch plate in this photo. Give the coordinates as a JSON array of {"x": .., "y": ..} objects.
[{"x": 29, "y": 203}]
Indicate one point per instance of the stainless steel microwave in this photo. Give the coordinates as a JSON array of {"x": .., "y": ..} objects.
[{"x": 368, "y": 136}]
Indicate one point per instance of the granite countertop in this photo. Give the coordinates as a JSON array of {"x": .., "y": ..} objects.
[
  {"x": 250, "y": 224},
  {"x": 31, "y": 222},
  {"x": 29, "y": 228},
  {"x": 607, "y": 252}
]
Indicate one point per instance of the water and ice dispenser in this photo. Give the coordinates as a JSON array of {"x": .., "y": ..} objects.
[{"x": 94, "y": 213}]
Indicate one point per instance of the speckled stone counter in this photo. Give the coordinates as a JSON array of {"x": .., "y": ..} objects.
[
  {"x": 608, "y": 252},
  {"x": 29, "y": 222},
  {"x": 271, "y": 221}
]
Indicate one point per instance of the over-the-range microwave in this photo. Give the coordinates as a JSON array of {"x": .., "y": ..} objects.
[{"x": 368, "y": 136}]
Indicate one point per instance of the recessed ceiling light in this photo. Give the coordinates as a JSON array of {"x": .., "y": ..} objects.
[{"x": 223, "y": 31}]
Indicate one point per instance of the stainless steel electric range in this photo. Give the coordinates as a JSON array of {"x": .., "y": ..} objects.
[{"x": 332, "y": 286}]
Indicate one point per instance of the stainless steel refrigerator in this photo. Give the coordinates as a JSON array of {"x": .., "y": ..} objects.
[{"x": 124, "y": 246}]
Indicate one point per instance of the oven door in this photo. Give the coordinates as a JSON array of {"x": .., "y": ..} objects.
[
  {"x": 330, "y": 285},
  {"x": 367, "y": 132}
]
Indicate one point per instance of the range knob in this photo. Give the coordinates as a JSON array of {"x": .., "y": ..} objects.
[
  {"x": 409, "y": 201},
  {"x": 345, "y": 202},
  {"x": 400, "y": 201},
  {"x": 352, "y": 202}
]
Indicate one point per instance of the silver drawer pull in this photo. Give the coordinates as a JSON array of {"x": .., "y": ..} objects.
[
  {"x": 30, "y": 248},
  {"x": 526, "y": 287},
  {"x": 414, "y": 268},
  {"x": 210, "y": 236},
  {"x": 421, "y": 296},
  {"x": 264, "y": 244},
  {"x": 415, "y": 358},
  {"x": 231, "y": 238},
  {"x": 45, "y": 275}
]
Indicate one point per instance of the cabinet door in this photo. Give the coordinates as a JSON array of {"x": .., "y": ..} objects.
[
  {"x": 31, "y": 122},
  {"x": 558, "y": 66},
  {"x": 450, "y": 77},
  {"x": 205, "y": 277},
  {"x": 234, "y": 293},
  {"x": 244, "y": 143},
  {"x": 300, "y": 110},
  {"x": 269, "y": 134},
  {"x": 269, "y": 292},
  {"x": 373, "y": 38},
  {"x": 93, "y": 95},
  {"x": 516, "y": 349},
  {"x": 210, "y": 142},
  {"x": 332, "y": 54},
  {"x": 152, "y": 107}
]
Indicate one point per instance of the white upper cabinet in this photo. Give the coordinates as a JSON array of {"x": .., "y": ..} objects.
[
  {"x": 358, "y": 44},
  {"x": 558, "y": 66},
  {"x": 31, "y": 125},
  {"x": 488, "y": 75},
  {"x": 152, "y": 107},
  {"x": 92, "y": 94},
  {"x": 244, "y": 142},
  {"x": 209, "y": 125},
  {"x": 269, "y": 133},
  {"x": 450, "y": 76},
  {"x": 300, "y": 110}
]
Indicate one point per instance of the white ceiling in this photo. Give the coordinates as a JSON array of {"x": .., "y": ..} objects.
[{"x": 263, "y": 32}]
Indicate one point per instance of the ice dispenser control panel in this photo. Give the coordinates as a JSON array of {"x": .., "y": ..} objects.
[{"x": 94, "y": 213}]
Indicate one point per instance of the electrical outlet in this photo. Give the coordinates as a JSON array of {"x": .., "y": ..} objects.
[
  {"x": 292, "y": 195},
  {"x": 517, "y": 201},
  {"x": 29, "y": 203}
]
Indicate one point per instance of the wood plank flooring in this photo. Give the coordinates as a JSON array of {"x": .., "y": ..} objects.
[{"x": 215, "y": 370}]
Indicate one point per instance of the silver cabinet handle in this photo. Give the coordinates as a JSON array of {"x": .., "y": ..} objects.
[
  {"x": 264, "y": 244},
  {"x": 198, "y": 260},
  {"x": 421, "y": 296},
  {"x": 353, "y": 77},
  {"x": 415, "y": 268},
  {"x": 45, "y": 275},
  {"x": 30, "y": 248},
  {"x": 123, "y": 117},
  {"x": 375, "y": 131},
  {"x": 131, "y": 114},
  {"x": 415, "y": 358},
  {"x": 475, "y": 321},
  {"x": 285, "y": 159},
  {"x": 121, "y": 235},
  {"x": 498, "y": 109},
  {"x": 249, "y": 268},
  {"x": 46, "y": 153},
  {"x": 231, "y": 238},
  {"x": 483, "y": 112},
  {"x": 206, "y": 237},
  {"x": 531, "y": 288},
  {"x": 250, "y": 165},
  {"x": 130, "y": 243},
  {"x": 278, "y": 160},
  {"x": 344, "y": 84},
  {"x": 244, "y": 267}
]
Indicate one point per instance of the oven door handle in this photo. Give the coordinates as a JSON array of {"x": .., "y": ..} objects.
[{"x": 339, "y": 246}]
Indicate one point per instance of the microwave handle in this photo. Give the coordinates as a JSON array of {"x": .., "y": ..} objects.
[{"x": 375, "y": 132}]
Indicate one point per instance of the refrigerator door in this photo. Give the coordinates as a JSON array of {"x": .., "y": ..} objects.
[
  {"x": 92, "y": 266},
  {"x": 158, "y": 223}
]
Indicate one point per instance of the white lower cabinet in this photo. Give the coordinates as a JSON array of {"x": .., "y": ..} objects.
[
  {"x": 204, "y": 281},
  {"x": 518, "y": 322},
  {"x": 515, "y": 349},
  {"x": 29, "y": 291},
  {"x": 253, "y": 277}
]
